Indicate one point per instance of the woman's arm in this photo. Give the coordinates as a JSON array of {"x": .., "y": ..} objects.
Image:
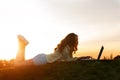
[
  {"x": 71, "y": 59},
  {"x": 68, "y": 55}
]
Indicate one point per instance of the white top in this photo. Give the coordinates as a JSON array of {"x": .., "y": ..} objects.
[{"x": 56, "y": 56}]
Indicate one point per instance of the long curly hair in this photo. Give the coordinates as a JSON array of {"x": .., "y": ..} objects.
[{"x": 71, "y": 40}]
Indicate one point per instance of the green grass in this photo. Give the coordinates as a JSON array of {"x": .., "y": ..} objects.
[{"x": 77, "y": 70}]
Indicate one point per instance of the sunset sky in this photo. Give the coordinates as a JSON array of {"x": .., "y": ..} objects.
[{"x": 45, "y": 22}]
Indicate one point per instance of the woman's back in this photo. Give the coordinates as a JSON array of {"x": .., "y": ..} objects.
[{"x": 56, "y": 56}]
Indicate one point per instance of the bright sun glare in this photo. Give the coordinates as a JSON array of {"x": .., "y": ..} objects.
[{"x": 42, "y": 42}]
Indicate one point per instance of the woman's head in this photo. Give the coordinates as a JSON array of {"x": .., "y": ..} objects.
[{"x": 71, "y": 40}]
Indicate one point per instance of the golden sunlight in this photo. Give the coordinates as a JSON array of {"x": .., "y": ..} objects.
[
  {"x": 45, "y": 23},
  {"x": 8, "y": 47}
]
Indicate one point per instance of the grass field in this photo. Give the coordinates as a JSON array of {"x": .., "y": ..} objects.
[{"x": 77, "y": 70}]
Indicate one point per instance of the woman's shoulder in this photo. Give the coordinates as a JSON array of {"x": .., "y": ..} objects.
[
  {"x": 67, "y": 47},
  {"x": 65, "y": 50}
]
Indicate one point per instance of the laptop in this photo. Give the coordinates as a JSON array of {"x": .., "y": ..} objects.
[
  {"x": 100, "y": 53},
  {"x": 90, "y": 58}
]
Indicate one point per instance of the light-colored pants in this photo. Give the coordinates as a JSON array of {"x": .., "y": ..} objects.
[{"x": 40, "y": 59}]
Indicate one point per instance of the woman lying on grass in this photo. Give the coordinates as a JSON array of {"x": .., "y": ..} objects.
[{"x": 64, "y": 51}]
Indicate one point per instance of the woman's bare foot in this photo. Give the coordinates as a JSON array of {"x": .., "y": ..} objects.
[{"x": 22, "y": 39}]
